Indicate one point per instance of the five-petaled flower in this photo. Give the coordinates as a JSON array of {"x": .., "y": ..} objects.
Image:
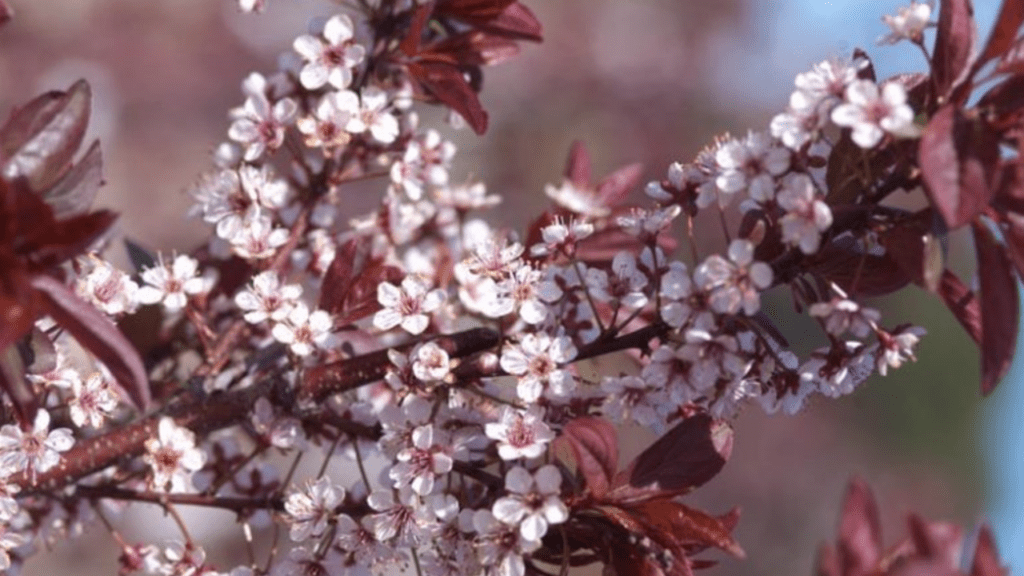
[
  {"x": 172, "y": 283},
  {"x": 520, "y": 433},
  {"x": 35, "y": 450},
  {"x": 173, "y": 457},
  {"x": 408, "y": 305},
  {"x": 533, "y": 503},
  {"x": 310, "y": 509}
]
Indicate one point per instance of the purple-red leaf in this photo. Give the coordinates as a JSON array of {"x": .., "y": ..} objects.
[
  {"x": 938, "y": 542},
  {"x": 595, "y": 446},
  {"x": 1011, "y": 16},
  {"x": 577, "y": 166},
  {"x": 827, "y": 562},
  {"x": 859, "y": 273},
  {"x": 958, "y": 159},
  {"x": 1013, "y": 233},
  {"x": 954, "y": 44},
  {"x": 685, "y": 457},
  {"x": 962, "y": 303},
  {"x": 5, "y": 12},
  {"x": 1012, "y": 61},
  {"x": 1000, "y": 312},
  {"x": 447, "y": 84},
  {"x": 41, "y": 138},
  {"x": 612, "y": 190},
  {"x": 917, "y": 252},
  {"x": 1005, "y": 100},
  {"x": 860, "y": 530},
  {"x": 74, "y": 193},
  {"x": 97, "y": 334},
  {"x": 14, "y": 383},
  {"x": 411, "y": 43},
  {"x": 516, "y": 22},
  {"x": 349, "y": 289},
  {"x": 986, "y": 558},
  {"x": 688, "y": 526}
]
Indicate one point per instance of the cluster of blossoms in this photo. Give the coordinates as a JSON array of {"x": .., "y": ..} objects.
[{"x": 438, "y": 353}]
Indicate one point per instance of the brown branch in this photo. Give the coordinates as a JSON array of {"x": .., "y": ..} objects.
[
  {"x": 204, "y": 415},
  {"x": 320, "y": 382},
  {"x": 235, "y": 503}
]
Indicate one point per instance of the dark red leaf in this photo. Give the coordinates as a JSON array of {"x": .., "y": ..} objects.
[
  {"x": 860, "y": 530},
  {"x": 595, "y": 446},
  {"x": 962, "y": 303},
  {"x": 1000, "y": 314},
  {"x": 14, "y": 383},
  {"x": 97, "y": 334},
  {"x": 1012, "y": 61},
  {"x": 447, "y": 84},
  {"x": 5, "y": 12},
  {"x": 1005, "y": 101},
  {"x": 349, "y": 289},
  {"x": 515, "y": 22},
  {"x": 74, "y": 193},
  {"x": 1013, "y": 232},
  {"x": 827, "y": 562},
  {"x": 472, "y": 48},
  {"x": 685, "y": 457},
  {"x": 41, "y": 139},
  {"x": 483, "y": 9},
  {"x": 986, "y": 558},
  {"x": 859, "y": 273},
  {"x": 410, "y": 45},
  {"x": 954, "y": 43},
  {"x": 506, "y": 18},
  {"x": 19, "y": 306},
  {"x": 1011, "y": 16},
  {"x": 687, "y": 526},
  {"x": 938, "y": 542},
  {"x": 349, "y": 259},
  {"x": 917, "y": 252},
  {"x": 612, "y": 190},
  {"x": 958, "y": 159},
  {"x": 577, "y": 166}
]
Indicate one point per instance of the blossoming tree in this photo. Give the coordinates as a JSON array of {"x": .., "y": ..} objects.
[{"x": 421, "y": 338}]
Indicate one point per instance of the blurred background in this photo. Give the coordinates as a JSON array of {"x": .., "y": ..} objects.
[{"x": 637, "y": 80}]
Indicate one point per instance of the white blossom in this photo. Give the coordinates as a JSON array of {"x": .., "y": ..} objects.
[
  {"x": 537, "y": 361},
  {"x": 908, "y": 23},
  {"x": 310, "y": 509},
  {"x": 267, "y": 298},
  {"x": 430, "y": 363},
  {"x": 373, "y": 117},
  {"x": 173, "y": 457},
  {"x": 520, "y": 433},
  {"x": 326, "y": 128},
  {"x": 408, "y": 305},
  {"x": 172, "y": 283},
  {"x": 112, "y": 291},
  {"x": 304, "y": 331},
  {"x": 807, "y": 215},
  {"x": 330, "y": 58},
  {"x": 871, "y": 113},
  {"x": 260, "y": 126},
  {"x": 92, "y": 401},
  {"x": 36, "y": 450},
  {"x": 423, "y": 460},
  {"x": 582, "y": 201},
  {"x": 533, "y": 503},
  {"x": 897, "y": 347}
]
